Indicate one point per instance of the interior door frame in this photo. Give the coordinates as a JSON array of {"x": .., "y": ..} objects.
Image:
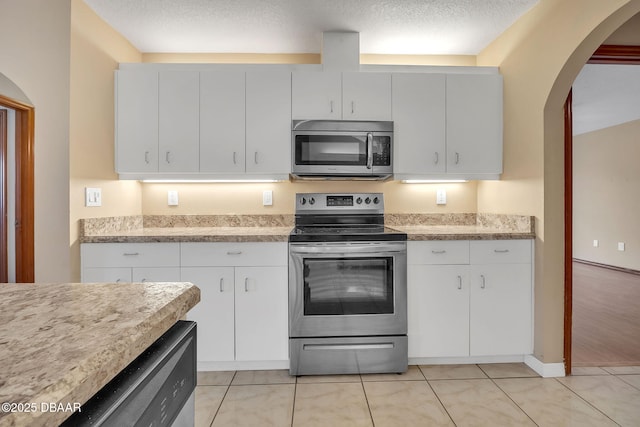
[
  {"x": 605, "y": 54},
  {"x": 25, "y": 194}
]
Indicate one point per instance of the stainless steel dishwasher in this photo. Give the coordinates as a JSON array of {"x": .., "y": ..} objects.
[{"x": 156, "y": 389}]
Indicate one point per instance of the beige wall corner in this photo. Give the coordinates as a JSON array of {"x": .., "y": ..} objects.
[
  {"x": 539, "y": 57},
  {"x": 96, "y": 50},
  {"x": 606, "y": 195}
]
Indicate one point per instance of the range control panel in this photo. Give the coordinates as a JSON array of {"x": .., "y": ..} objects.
[{"x": 360, "y": 202}]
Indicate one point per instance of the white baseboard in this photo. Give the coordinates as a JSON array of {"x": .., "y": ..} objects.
[
  {"x": 519, "y": 358},
  {"x": 545, "y": 370},
  {"x": 243, "y": 366}
]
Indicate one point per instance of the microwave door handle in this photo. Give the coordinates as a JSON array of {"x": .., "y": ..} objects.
[{"x": 369, "y": 150}]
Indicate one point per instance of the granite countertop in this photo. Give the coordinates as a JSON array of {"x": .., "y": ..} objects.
[
  {"x": 276, "y": 228},
  {"x": 61, "y": 343}
]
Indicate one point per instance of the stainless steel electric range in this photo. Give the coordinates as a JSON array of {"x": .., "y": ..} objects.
[{"x": 347, "y": 287}]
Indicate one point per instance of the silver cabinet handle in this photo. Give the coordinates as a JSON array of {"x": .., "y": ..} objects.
[
  {"x": 234, "y": 252},
  {"x": 166, "y": 157},
  {"x": 234, "y": 158},
  {"x": 436, "y": 158},
  {"x": 255, "y": 157},
  {"x": 457, "y": 158},
  {"x": 459, "y": 282},
  {"x": 143, "y": 280},
  {"x": 353, "y": 107},
  {"x": 146, "y": 157},
  {"x": 483, "y": 284},
  {"x": 439, "y": 252},
  {"x": 501, "y": 251},
  {"x": 222, "y": 284},
  {"x": 369, "y": 150},
  {"x": 246, "y": 284},
  {"x": 131, "y": 253},
  {"x": 331, "y": 105}
]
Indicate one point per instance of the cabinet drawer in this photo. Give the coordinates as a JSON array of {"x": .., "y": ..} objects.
[
  {"x": 234, "y": 254},
  {"x": 438, "y": 252},
  {"x": 501, "y": 251},
  {"x": 130, "y": 254}
]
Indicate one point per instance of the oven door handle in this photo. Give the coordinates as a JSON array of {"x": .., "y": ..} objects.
[{"x": 352, "y": 251}]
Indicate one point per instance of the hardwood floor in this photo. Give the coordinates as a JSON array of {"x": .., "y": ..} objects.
[{"x": 606, "y": 317}]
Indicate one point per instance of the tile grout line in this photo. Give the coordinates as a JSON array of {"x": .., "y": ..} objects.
[
  {"x": 618, "y": 376},
  {"x": 223, "y": 398},
  {"x": 437, "y": 397},
  {"x": 366, "y": 399},
  {"x": 295, "y": 392},
  {"x": 584, "y": 399},
  {"x": 509, "y": 397}
]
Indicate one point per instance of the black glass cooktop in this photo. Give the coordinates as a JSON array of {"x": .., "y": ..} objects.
[{"x": 359, "y": 233}]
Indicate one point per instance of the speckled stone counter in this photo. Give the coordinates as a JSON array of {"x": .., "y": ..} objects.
[
  {"x": 276, "y": 228},
  {"x": 61, "y": 343},
  {"x": 187, "y": 228},
  {"x": 466, "y": 226}
]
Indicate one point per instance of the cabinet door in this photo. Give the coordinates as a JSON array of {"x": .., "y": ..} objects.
[
  {"x": 474, "y": 123},
  {"x": 419, "y": 123},
  {"x": 316, "y": 95},
  {"x": 179, "y": 94},
  {"x": 156, "y": 274},
  {"x": 268, "y": 115},
  {"x": 222, "y": 110},
  {"x": 214, "y": 313},
  {"x": 438, "y": 310},
  {"x": 261, "y": 313},
  {"x": 110, "y": 275},
  {"x": 366, "y": 96},
  {"x": 500, "y": 320},
  {"x": 136, "y": 121}
]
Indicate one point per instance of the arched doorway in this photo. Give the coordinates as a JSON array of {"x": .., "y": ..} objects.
[
  {"x": 605, "y": 54},
  {"x": 24, "y": 193}
]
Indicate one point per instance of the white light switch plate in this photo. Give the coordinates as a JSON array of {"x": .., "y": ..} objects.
[
  {"x": 172, "y": 198},
  {"x": 267, "y": 198},
  {"x": 441, "y": 197},
  {"x": 92, "y": 196},
  {"x": 621, "y": 246}
]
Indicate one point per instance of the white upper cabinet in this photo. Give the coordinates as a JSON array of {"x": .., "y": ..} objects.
[
  {"x": 222, "y": 121},
  {"x": 178, "y": 108},
  {"x": 341, "y": 96},
  {"x": 366, "y": 96},
  {"x": 419, "y": 123},
  {"x": 136, "y": 121},
  {"x": 268, "y": 122},
  {"x": 316, "y": 95},
  {"x": 474, "y": 124}
]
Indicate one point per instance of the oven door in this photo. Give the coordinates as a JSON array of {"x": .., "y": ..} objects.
[
  {"x": 347, "y": 289},
  {"x": 341, "y": 153}
]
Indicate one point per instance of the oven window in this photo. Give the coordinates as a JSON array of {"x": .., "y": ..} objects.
[
  {"x": 331, "y": 150},
  {"x": 343, "y": 286}
]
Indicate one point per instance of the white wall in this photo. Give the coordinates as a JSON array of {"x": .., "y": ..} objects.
[{"x": 35, "y": 57}]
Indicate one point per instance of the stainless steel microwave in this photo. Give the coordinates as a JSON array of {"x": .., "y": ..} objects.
[{"x": 342, "y": 149}]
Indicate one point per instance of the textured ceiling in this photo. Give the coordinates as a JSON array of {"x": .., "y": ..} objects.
[
  {"x": 604, "y": 96},
  {"x": 442, "y": 27}
]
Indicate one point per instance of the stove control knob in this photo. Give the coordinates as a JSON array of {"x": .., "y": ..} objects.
[
  {"x": 303, "y": 201},
  {"x": 359, "y": 200},
  {"x": 312, "y": 201},
  {"x": 376, "y": 200},
  {"x": 367, "y": 200}
]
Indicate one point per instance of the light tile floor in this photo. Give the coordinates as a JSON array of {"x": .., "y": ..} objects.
[{"x": 508, "y": 394}]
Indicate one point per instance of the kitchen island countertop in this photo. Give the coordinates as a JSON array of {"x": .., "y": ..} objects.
[{"x": 61, "y": 343}]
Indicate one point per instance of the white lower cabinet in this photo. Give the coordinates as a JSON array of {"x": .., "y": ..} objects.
[
  {"x": 470, "y": 299},
  {"x": 243, "y": 313},
  {"x": 130, "y": 262}
]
